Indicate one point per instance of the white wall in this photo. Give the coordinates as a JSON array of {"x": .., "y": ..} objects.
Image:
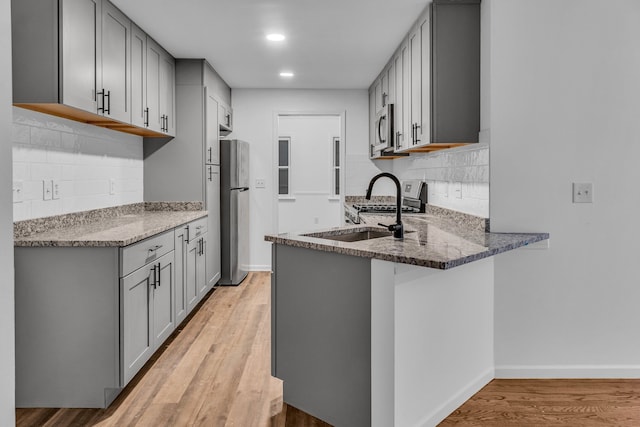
[
  {"x": 255, "y": 111},
  {"x": 565, "y": 107},
  {"x": 7, "y": 320},
  {"x": 311, "y": 202},
  {"x": 82, "y": 158}
]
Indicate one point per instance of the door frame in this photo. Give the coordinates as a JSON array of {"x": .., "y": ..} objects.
[{"x": 341, "y": 114}]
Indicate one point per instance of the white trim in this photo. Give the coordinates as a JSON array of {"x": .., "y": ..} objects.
[
  {"x": 333, "y": 198},
  {"x": 282, "y": 197},
  {"x": 567, "y": 371},
  {"x": 260, "y": 268},
  {"x": 453, "y": 403}
]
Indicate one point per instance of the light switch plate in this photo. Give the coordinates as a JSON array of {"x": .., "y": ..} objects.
[
  {"x": 55, "y": 184},
  {"x": 47, "y": 189},
  {"x": 18, "y": 191},
  {"x": 582, "y": 192},
  {"x": 260, "y": 183}
]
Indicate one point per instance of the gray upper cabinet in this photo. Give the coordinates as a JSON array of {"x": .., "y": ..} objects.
[
  {"x": 83, "y": 60},
  {"x": 138, "y": 77},
  {"x": 419, "y": 81},
  {"x": 160, "y": 89},
  {"x": 225, "y": 118},
  {"x": 212, "y": 141},
  {"x": 81, "y": 57},
  {"x": 456, "y": 71},
  {"x": 114, "y": 94},
  {"x": 435, "y": 76}
]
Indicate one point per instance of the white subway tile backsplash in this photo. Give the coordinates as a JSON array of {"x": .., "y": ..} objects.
[
  {"x": 81, "y": 157},
  {"x": 458, "y": 178}
]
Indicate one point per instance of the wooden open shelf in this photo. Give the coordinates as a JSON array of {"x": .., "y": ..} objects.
[{"x": 438, "y": 146}]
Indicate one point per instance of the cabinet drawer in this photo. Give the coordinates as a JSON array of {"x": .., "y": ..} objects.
[
  {"x": 137, "y": 255},
  {"x": 197, "y": 228}
]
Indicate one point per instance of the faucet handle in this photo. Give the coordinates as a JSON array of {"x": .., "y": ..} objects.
[{"x": 398, "y": 229}]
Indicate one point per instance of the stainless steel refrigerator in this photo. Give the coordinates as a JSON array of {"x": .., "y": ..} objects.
[{"x": 234, "y": 206}]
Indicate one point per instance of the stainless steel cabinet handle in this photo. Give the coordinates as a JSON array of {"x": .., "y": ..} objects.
[
  {"x": 146, "y": 117},
  {"x": 228, "y": 117},
  {"x": 398, "y": 134},
  {"x": 210, "y": 150},
  {"x": 210, "y": 170},
  {"x": 416, "y": 140},
  {"x": 384, "y": 99}
]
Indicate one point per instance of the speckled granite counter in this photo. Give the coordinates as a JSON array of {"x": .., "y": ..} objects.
[
  {"x": 434, "y": 241},
  {"x": 117, "y": 226}
]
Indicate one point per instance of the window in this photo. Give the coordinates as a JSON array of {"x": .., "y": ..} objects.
[
  {"x": 284, "y": 156},
  {"x": 336, "y": 166}
]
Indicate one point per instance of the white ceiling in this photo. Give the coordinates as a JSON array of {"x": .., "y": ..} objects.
[{"x": 331, "y": 44}]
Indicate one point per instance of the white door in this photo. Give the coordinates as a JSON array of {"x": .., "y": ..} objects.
[{"x": 309, "y": 159}]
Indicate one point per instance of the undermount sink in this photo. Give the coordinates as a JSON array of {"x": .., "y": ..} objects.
[{"x": 350, "y": 235}]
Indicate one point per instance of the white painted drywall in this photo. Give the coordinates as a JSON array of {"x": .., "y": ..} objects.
[
  {"x": 7, "y": 318},
  {"x": 565, "y": 107},
  {"x": 311, "y": 202},
  {"x": 83, "y": 159},
  {"x": 432, "y": 340},
  {"x": 255, "y": 112}
]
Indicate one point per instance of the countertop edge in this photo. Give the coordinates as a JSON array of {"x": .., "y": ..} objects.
[
  {"x": 86, "y": 243},
  {"x": 319, "y": 244}
]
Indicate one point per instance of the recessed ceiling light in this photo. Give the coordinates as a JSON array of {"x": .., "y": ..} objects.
[
  {"x": 275, "y": 37},
  {"x": 286, "y": 74}
]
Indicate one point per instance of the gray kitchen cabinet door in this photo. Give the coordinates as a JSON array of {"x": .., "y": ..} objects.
[
  {"x": 419, "y": 83},
  {"x": 201, "y": 268},
  {"x": 167, "y": 100},
  {"x": 401, "y": 120},
  {"x": 138, "y": 76},
  {"x": 180, "y": 271},
  {"x": 212, "y": 139},
  {"x": 191, "y": 277},
  {"x": 225, "y": 117},
  {"x": 154, "y": 58},
  {"x": 115, "y": 97},
  {"x": 137, "y": 341},
  {"x": 163, "y": 314},
  {"x": 81, "y": 55},
  {"x": 213, "y": 260}
]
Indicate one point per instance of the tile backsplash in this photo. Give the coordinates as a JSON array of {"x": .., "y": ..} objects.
[
  {"x": 458, "y": 178},
  {"x": 74, "y": 166}
]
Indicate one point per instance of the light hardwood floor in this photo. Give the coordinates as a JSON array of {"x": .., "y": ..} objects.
[{"x": 215, "y": 372}]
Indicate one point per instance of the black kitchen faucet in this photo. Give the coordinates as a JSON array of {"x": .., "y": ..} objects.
[{"x": 397, "y": 228}]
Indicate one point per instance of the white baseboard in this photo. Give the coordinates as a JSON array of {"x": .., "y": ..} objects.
[
  {"x": 456, "y": 400},
  {"x": 567, "y": 371},
  {"x": 260, "y": 268}
]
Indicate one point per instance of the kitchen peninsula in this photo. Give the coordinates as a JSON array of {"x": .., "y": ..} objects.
[{"x": 369, "y": 330}]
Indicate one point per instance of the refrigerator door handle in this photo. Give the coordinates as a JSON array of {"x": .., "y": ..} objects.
[{"x": 240, "y": 188}]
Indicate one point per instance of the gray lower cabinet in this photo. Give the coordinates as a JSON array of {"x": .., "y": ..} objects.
[
  {"x": 147, "y": 311},
  {"x": 191, "y": 242},
  {"x": 88, "y": 318}
]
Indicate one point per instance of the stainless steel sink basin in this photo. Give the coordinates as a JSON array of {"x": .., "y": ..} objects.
[{"x": 352, "y": 235}]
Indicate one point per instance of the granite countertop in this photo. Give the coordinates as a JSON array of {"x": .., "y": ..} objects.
[
  {"x": 435, "y": 241},
  {"x": 109, "y": 227}
]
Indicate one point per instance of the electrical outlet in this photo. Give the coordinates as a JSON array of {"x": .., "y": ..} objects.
[
  {"x": 47, "y": 189},
  {"x": 112, "y": 186},
  {"x": 457, "y": 190},
  {"x": 55, "y": 184},
  {"x": 582, "y": 192},
  {"x": 260, "y": 183},
  {"x": 18, "y": 190}
]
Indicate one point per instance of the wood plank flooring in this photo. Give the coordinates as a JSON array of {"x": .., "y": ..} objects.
[{"x": 215, "y": 372}]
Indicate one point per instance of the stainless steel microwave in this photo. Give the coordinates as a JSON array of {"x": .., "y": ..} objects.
[{"x": 384, "y": 129}]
